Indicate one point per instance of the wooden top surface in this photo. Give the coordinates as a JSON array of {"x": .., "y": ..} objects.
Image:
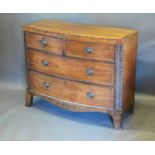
[{"x": 75, "y": 29}]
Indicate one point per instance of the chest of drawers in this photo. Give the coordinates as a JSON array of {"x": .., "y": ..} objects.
[{"x": 81, "y": 67}]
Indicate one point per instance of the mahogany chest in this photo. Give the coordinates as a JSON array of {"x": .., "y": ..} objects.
[{"x": 81, "y": 67}]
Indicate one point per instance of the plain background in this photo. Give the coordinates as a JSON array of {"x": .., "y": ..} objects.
[
  {"x": 12, "y": 57},
  {"x": 93, "y": 6}
]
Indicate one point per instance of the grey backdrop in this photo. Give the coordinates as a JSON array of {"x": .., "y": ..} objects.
[{"x": 12, "y": 58}]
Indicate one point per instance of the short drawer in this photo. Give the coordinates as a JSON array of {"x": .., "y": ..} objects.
[
  {"x": 49, "y": 44},
  {"x": 93, "y": 51},
  {"x": 72, "y": 91},
  {"x": 76, "y": 69}
]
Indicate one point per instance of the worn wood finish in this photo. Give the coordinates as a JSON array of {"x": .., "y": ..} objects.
[
  {"x": 72, "y": 106},
  {"x": 29, "y": 98},
  {"x": 59, "y": 54},
  {"x": 76, "y": 69},
  {"x": 117, "y": 119},
  {"x": 75, "y": 31},
  {"x": 72, "y": 91},
  {"x": 129, "y": 72},
  {"x": 101, "y": 52},
  {"x": 44, "y": 43}
]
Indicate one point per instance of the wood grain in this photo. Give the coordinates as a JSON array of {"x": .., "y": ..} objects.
[
  {"x": 99, "y": 51},
  {"x": 55, "y": 51},
  {"x": 54, "y": 45},
  {"x": 50, "y": 27},
  {"x": 129, "y": 71},
  {"x": 72, "y": 91},
  {"x": 77, "y": 107},
  {"x": 76, "y": 69}
]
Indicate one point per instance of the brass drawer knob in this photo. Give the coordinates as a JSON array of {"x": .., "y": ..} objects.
[
  {"x": 46, "y": 85},
  {"x": 43, "y": 42},
  {"x": 90, "y": 94},
  {"x": 89, "y": 71},
  {"x": 88, "y": 50},
  {"x": 45, "y": 62}
]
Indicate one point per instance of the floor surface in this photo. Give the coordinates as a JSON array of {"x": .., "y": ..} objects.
[{"x": 44, "y": 121}]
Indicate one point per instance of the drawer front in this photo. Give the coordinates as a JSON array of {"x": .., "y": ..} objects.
[
  {"x": 76, "y": 69},
  {"x": 49, "y": 44},
  {"x": 72, "y": 91},
  {"x": 90, "y": 50}
]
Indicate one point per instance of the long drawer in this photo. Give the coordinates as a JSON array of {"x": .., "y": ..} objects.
[
  {"x": 76, "y": 69},
  {"x": 72, "y": 91}
]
